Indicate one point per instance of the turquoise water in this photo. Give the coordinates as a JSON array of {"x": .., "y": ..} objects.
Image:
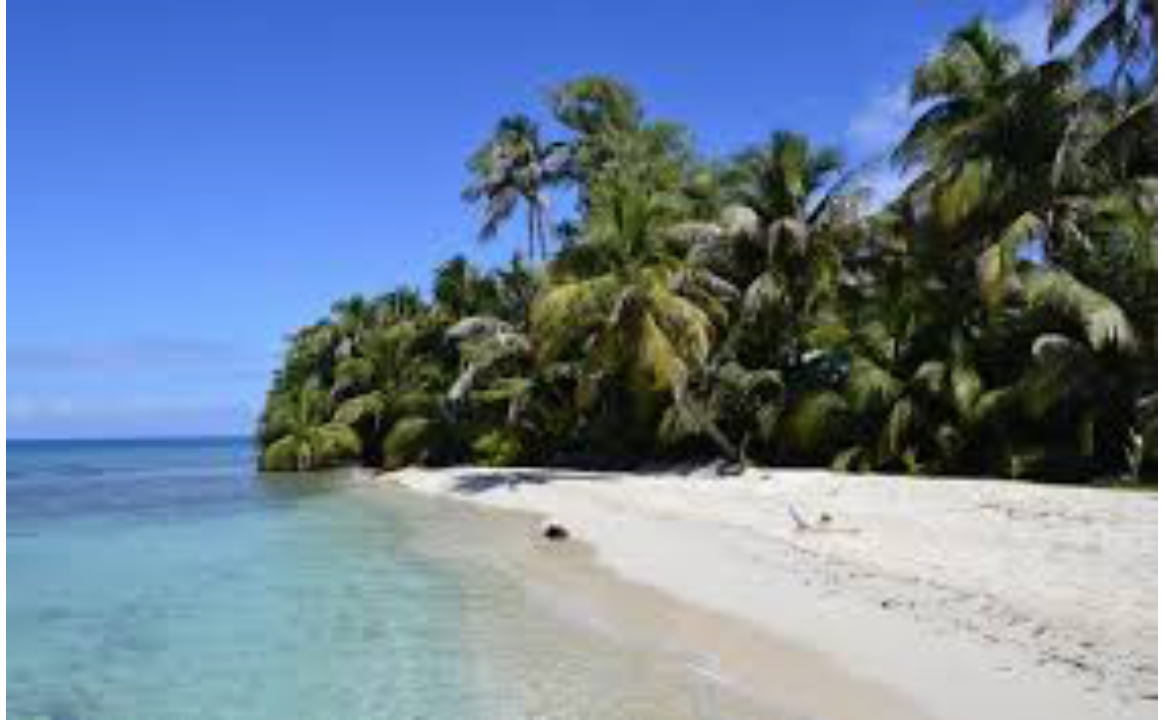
[{"x": 167, "y": 579}]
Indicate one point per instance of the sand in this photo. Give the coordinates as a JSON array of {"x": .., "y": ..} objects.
[
  {"x": 884, "y": 595},
  {"x": 571, "y": 640}
]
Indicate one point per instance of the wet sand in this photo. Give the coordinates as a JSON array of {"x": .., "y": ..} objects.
[
  {"x": 835, "y": 595},
  {"x": 546, "y": 648}
]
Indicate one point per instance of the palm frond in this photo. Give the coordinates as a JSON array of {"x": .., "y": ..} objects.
[
  {"x": 356, "y": 409},
  {"x": 1100, "y": 318},
  {"x": 814, "y": 420},
  {"x": 870, "y": 386}
]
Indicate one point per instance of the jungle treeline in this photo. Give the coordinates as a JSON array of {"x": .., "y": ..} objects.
[{"x": 998, "y": 317}]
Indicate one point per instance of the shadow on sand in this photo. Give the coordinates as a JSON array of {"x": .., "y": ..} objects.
[{"x": 479, "y": 481}]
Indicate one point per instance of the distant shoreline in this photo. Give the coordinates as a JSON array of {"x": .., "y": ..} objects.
[{"x": 977, "y": 599}]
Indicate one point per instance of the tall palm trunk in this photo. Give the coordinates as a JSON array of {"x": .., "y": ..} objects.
[
  {"x": 537, "y": 229},
  {"x": 531, "y": 233},
  {"x": 543, "y": 227}
]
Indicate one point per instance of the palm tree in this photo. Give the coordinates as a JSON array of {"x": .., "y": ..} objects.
[
  {"x": 999, "y": 317},
  {"x": 514, "y": 166},
  {"x": 460, "y": 289},
  {"x": 784, "y": 178},
  {"x": 1014, "y": 156},
  {"x": 781, "y": 243},
  {"x": 989, "y": 134},
  {"x": 1000, "y": 148},
  {"x": 614, "y": 143},
  {"x": 401, "y": 303},
  {"x": 602, "y": 112},
  {"x": 351, "y": 319},
  {"x": 299, "y": 435},
  {"x": 1018, "y": 157},
  {"x": 624, "y": 304},
  {"x": 797, "y": 211},
  {"x": 1127, "y": 28},
  {"x": 408, "y": 367},
  {"x": 595, "y": 105}
]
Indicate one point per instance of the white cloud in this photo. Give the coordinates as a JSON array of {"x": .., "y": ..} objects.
[
  {"x": 174, "y": 353},
  {"x": 1029, "y": 29},
  {"x": 151, "y": 385},
  {"x": 881, "y": 122},
  {"x": 871, "y": 135},
  {"x": 64, "y": 416},
  {"x": 885, "y": 182}
]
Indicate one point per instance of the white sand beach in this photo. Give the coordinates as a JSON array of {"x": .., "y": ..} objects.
[{"x": 959, "y": 598}]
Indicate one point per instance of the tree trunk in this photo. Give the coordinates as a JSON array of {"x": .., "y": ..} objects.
[{"x": 543, "y": 224}]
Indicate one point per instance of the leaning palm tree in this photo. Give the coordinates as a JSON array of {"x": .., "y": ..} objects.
[
  {"x": 516, "y": 167},
  {"x": 990, "y": 129},
  {"x": 1002, "y": 146},
  {"x": 301, "y": 437}
]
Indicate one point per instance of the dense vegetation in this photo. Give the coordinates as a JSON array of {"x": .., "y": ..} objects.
[{"x": 999, "y": 317}]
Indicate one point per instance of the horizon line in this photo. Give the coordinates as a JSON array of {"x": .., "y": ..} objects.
[{"x": 134, "y": 438}]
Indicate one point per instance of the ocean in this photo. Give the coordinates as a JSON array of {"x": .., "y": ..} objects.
[{"x": 168, "y": 579}]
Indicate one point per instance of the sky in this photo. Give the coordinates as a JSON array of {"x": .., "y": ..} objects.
[{"x": 190, "y": 181}]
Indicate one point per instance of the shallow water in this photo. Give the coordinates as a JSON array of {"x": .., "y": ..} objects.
[{"x": 166, "y": 579}]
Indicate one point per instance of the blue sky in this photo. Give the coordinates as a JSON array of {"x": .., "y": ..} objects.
[{"x": 189, "y": 181}]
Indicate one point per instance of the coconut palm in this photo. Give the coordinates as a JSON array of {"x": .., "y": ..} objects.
[
  {"x": 401, "y": 303},
  {"x": 988, "y": 140},
  {"x": 782, "y": 245},
  {"x": 596, "y": 105},
  {"x": 613, "y": 142},
  {"x": 459, "y": 288},
  {"x": 300, "y": 435},
  {"x": 1127, "y": 28},
  {"x": 516, "y": 167},
  {"x": 625, "y": 304},
  {"x": 798, "y": 211},
  {"x": 999, "y": 317},
  {"x": 785, "y": 178}
]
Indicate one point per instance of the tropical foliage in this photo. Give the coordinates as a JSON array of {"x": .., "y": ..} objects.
[{"x": 999, "y": 317}]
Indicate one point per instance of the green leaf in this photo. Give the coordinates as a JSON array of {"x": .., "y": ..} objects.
[
  {"x": 354, "y": 410},
  {"x": 996, "y": 267},
  {"x": 814, "y": 420},
  {"x": 408, "y": 441},
  {"x": 870, "y": 386},
  {"x": 897, "y": 430},
  {"x": 966, "y": 388},
  {"x": 1100, "y": 318}
]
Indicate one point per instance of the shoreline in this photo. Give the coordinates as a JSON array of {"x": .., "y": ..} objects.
[
  {"x": 964, "y": 598},
  {"x": 688, "y": 661}
]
